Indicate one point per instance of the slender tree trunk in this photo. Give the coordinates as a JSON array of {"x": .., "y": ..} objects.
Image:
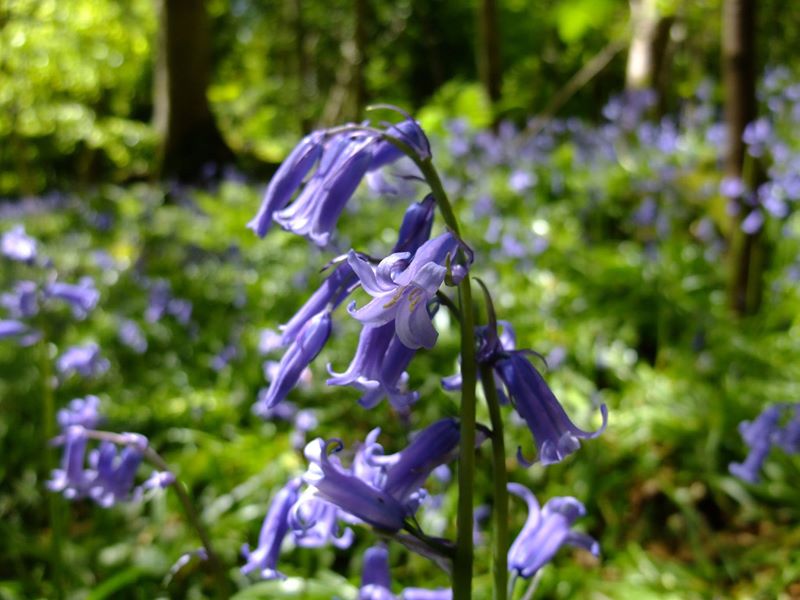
[
  {"x": 489, "y": 65},
  {"x": 190, "y": 139},
  {"x": 739, "y": 72},
  {"x": 647, "y": 55}
]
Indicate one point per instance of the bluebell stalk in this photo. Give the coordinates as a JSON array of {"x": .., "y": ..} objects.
[
  {"x": 264, "y": 558},
  {"x": 545, "y": 531}
]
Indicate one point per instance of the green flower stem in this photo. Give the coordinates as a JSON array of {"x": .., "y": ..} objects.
[
  {"x": 53, "y": 500},
  {"x": 500, "y": 477},
  {"x": 217, "y": 568},
  {"x": 462, "y": 566}
]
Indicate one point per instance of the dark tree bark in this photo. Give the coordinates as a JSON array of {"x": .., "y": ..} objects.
[
  {"x": 190, "y": 139},
  {"x": 489, "y": 65},
  {"x": 739, "y": 73}
]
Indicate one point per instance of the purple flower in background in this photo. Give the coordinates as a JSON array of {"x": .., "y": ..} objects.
[
  {"x": 269, "y": 340},
  {"x": 80, "y": 411},
  {"x": 12, "y": 328},
  {"x": 757, "y": 135},
  {"x": 732, "y": 187},
  {"x": 132, "y": 336},
  {"x": 329, "y": 481},
  {"x": 545, "y": 531},
  {"x": 160, "y": 295},
  {"x": 555, "y": 435},
  {"x": 84, "y": 360},
  {"x": 376, "y": 582},
  {"x": 264, "y": 558},
  {"x": 759, "y": 435},
  {"x": 114, "y": 470},
  {"x": 423, "y": 594},
  {"x": 181, "y": 309},
  {"x": 521, "y": 181},
  {"x": 401, "y": 290},
  {"x": 71, "y": 478},
  {"x": 304, "y": 421},
  {"x": 753, "y": 222},
  {"x": 17, "y": 245},
  {"x": 22, "y": 302},
  {"x": 788, "y": 437},
  {"x": 82, "y": 297},
  {"x": 298, "y": 356}
]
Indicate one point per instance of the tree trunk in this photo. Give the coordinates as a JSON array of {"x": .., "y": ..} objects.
[
  {"x": 190, "y": 139},
  {"x": 739, "y": 73},
  {"x": 647, "y": 65},
  {"x": 489, "y": 65}
]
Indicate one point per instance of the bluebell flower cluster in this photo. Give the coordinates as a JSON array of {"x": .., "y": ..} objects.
[
  {"x": 385, "y": 491},
  {"x": 778, "y": 425},
  {"x": 106, "y": 474}
]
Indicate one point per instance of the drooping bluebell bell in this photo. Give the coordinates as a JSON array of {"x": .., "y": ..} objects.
[
  {"x": 401, "y": 290},
  {"x": 759, "y": 435},
  {"x": 423, "y": 594},
  {"x": 376, "y": 581},
  {"x": 316, "y": 210},
  {"x": 298, "y": 356},
  {"x": 378, "y": 368},
  {"x": 18, "y": 245},
  {"x": 81, "y": 297},
  {"x": 114, "y": 470},
  {"x": 287, "y": 180},
  {"x": 264, "y": 558},
  {"x": 545, "y": 531},
  {"x": 84, "y": 360},
  {"x": 23, "y": 301},
  {"x": 315, "y": 523},
  {"x": 331, "y": 482},
  {"x": 72, "y": 479},
  {"x": 407, "y": 470},
  {"x": 555, "y": 435}
]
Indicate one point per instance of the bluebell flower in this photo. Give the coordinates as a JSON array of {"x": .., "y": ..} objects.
[
  {"x": 378, "y": 368},
  {"x": 264, "y": 558},
  {"x": 114, "y": 470},
  {"x": 72, "y": 479},
  {"x": 315, "y": 523},
  {"x": 132, "y": 336},
  {"x": 407, "y": 131},
  {"x": 545, "y": 531},
  {"x": 331, "y": 482},
  {"x": 759, "y": 435},
  {"x": 84, "y": 360},
  {"x": 158, "y": 301},
  {"x": 11, "y": 328},
  {"x": 555, "y": 435},
  {"x": 401, "y": 290},
  {"x": 298, "y": 356},
  {"x": 80, "y": 411},
  {"x": 304, "y": 421},
  {"x": 287, "y": 180},
  {"x": 407, "y": 470},
  {"x": 316, "y": 210},
  {"x": 17, "y": 245},
  {"x": 376, "y": 582},
  {"x": 82, "y": 297},
  {"x": 23, "y": 302}
]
